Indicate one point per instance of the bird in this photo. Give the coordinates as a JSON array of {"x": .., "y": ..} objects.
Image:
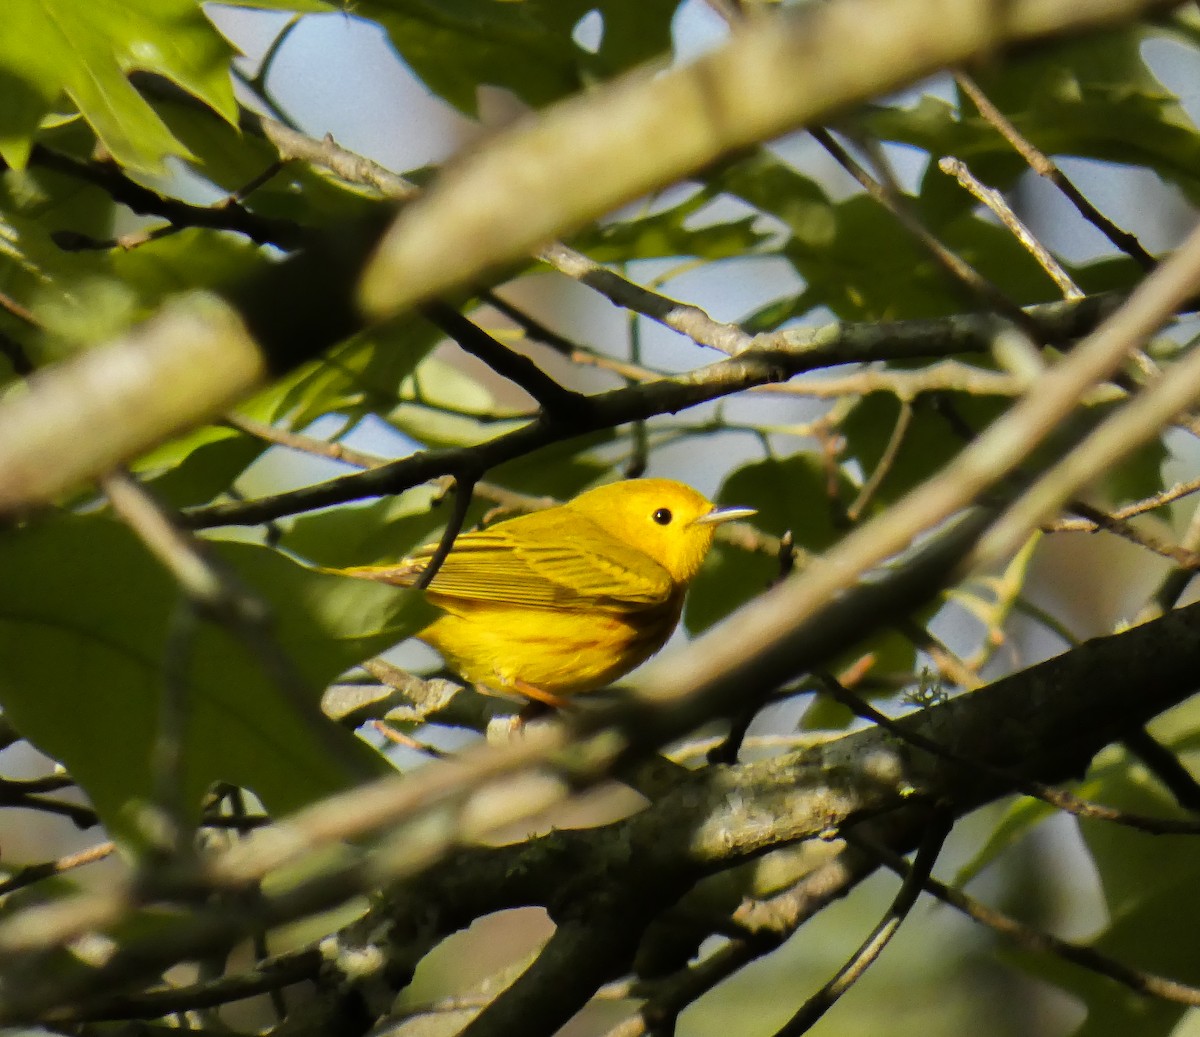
[{"x": 566, "y": 600}]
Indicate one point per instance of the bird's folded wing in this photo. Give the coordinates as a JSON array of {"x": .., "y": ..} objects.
[{"x": 573, "y": 567}]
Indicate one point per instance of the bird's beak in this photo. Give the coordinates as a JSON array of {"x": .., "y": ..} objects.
[{"x": 719, "y": 515}]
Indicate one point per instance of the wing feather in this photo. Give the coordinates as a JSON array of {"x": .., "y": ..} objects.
[{"x": 549, "y": 560}]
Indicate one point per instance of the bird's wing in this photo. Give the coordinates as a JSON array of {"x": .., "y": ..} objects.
[{"x": 551, "y": 562}]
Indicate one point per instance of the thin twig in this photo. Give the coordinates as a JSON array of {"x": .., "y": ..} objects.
[
  {"x": 306, "y": 444},
  {"x": 142, "y": 200},
  {"x": 407, "y": 741},
  {"x": 1097, "y": 519},
  {"x": 167, "y": 755},
  {"x": 1134, "y": 423},
  {"x": 556, "y": 400},
  {"x": 685, "y": 318},
  {"x": 772, "y": 359},
  {"x": 32, "y": 873},
  {"x": 530, "y": 325},
  {"x": 994, "y": 200},
  {"x": 81, "y": 816},
  {"x": 849, "y": 974},
  {"x": 464, "y": 487},
  {"x": 268, "y": 977},
  {"x": 1035, "y": 940},
  {"x": 886, "y": 460},
  {"x": 219, "y": 596},
  {"x": 959, "y": 269},
  {"x": 1166, "y": 766},
  {"x": 22, "y": 313},
  {"x": 1139, "y": 507},
  {"x": 1044, "y": 167}
]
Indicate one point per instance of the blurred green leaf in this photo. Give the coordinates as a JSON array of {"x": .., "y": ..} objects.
[
  {"x": 1148, "y": 884},
  {"x": 360, "y": 376},
  {"x": 873, "y": 269},
  {"x": 84, "y": 631},
  {"x": 383, "y": 531},
  {"x": 456, "y": 46},
  {"x": 1019, "y": 818},
  {"x": 561, "y": 469},
  {"x": 791, "y": 493},
  {"x": 668, "y": 233},
  {"x": 195, "y": 468},
  {"x": 444, "y": 406},
  {"x": 300, "y": 6},
  {"x": 86, "y": 51},
  {"x": 928, "y": 443},
  {"x": 189, "y": 260},
  {"x": 772, "y": 186},
  {"x": 1138, "y": 476},
  {"x": 1092, "y": 97}
]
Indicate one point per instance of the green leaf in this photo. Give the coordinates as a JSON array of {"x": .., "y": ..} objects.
[
  {"x": 561, "y": 469},
  {"x": 456, "y": 46},
  {"x": 1092, "y": 97},
  {"x": 299, "y": 6},
  {"x": 667, "y": 233},
  {"x": 83, "y": 635},
  {"x": 1148, "y": 885},
  {"x": 787, "y": 494},
  {"x": 48, "y": 280},
  {"x": 86, "y": 51},
  {"x": 1138, "y": 476},
  {"x": 189, "y": 260},
  {"x": 771, "y": 186},
  {"x": 1019, "y": 818},
  {"x": 873, "y": 269},
  {"x": 382, "y": 531},
  {"x": 230, "y": 159},
  {"x": 199, "y": 466},
  {"x": 360, "y": 376},
  {"x": 928, "y": 443},
  {"x": 444, "y": 406}
]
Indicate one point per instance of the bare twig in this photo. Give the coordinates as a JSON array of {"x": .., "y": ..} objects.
[
  {"x": 554, "y": 398},
  {"x": 1137, "y": 421},
  {"x": 886, "y": 460},
  {"x": 22, "y": 313},
  {"x": 1044, "y": 167},
  {"x": 994, "y": 200},
  {"x": 396, "y": 737},
  {"x": 464, "y": 487},
  {"x": 685, "y": 318},
  {"x": 32, "y": 873},
  {"x": 1140, "y": 507},
  {"x": 268, "y": 976},
  {"x": 1096, "y": 519},
  {"x": 849, "y": 974},
  {"x": 1166, "y": 766},
  {"x": 1035, "y": 940},
  {"x": 960, "y": 271},
  {"x": 771, "y": 359}
]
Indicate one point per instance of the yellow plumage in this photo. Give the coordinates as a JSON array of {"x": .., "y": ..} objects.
[{"x": 568, "y": 599}]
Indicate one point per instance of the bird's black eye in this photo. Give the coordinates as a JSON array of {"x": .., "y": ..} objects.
[{"x": 663, "y": 516}]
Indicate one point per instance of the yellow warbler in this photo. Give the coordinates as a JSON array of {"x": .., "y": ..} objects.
[{"x": 568, "y": 599}]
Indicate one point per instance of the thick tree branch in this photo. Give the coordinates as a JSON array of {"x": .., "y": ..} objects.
[{"x": 1045, "y": 723}]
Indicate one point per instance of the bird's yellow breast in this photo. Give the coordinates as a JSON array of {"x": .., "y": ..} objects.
[{"x": 560, "y": 651}]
